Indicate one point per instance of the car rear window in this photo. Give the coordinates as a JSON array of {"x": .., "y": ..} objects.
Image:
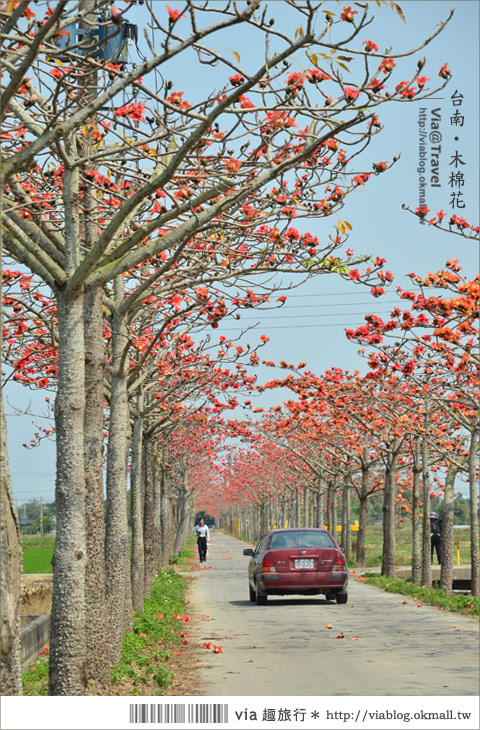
[{"x": 301, "y": 538}]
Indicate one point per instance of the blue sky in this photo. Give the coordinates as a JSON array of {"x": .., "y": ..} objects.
[{"x": 310, "y": 327}]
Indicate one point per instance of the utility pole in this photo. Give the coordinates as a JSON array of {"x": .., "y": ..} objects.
[{"x": 41, "y": 516}]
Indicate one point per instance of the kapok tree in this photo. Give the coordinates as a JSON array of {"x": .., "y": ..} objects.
[
  {"x": 155, "y": 177},
  {"x": 436, "y": 342}
]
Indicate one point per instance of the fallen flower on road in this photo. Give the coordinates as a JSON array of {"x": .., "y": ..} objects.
[
  {"x": 419, "y": 605},
  {"x": 207, "y": 645},
  {"x": 341, "y": 635},
  {"x": 355, "y": 638},
  {"x": 217, "y": 650},
  {"x": 329, "y": 626},
  {"x": 404, "y": 602}
]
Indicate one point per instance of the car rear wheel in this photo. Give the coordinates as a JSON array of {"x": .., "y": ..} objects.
[
  {"x": 261, "y": 598},
  {"x": 342, "y": 597},
  {"x": 251, "y": 593}
]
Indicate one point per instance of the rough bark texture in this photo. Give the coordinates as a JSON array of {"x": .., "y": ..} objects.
[
  {"x": 136, "y": 496},
  {"x": 118, "y": 591},
  {"x": 183, "y": 512},
  {"x": 446, "y": 571},
  {"x": 150, "y": 565},
  {"x": 10, "y": 577},
  {"x": 68, "y": 673},
  {"x": 474, "y": 546},
  {"x": 362, "y": 518},
  {"x": 346, "y": 519},
  {"x": 416, "y": 554},
  {"x": 166, "y": 516},
  {"x": 320, "y": 502},
  {"x": 389, "y": 546},
  {"x": 157, "y": 506},
  {"x": 426, "y": 533},
  {"x": 96, "y": 636}
]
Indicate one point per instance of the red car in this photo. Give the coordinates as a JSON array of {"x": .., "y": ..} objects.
[{"x": 308, "y": 561}]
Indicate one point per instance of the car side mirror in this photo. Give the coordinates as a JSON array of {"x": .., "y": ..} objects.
[
  {"x": 248, "y": 551},
  {"x": 342, "y": 549}
]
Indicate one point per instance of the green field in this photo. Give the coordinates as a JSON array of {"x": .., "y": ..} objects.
[
  {"x": 374, "y": 540},
  {"x": 37, "y": 553}
]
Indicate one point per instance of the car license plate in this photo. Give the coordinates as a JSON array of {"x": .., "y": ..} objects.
[{"x": 304, "y": 562}]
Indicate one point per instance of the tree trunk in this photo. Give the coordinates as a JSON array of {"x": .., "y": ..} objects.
[
  {"x": 389, "y": 547},
  {"x": 332, "y": 506},
  {"x": 150, "y": 562},
  {"x": 446, "y": 571},
  {"x": 119, "y": 596},
  {"x": 68, "y": 660},
  {"x": 95, "y": 579},
  {"x": 362, "y": 517},
  {"x": 416, "y": 553},
  {"x": 297, "y": 507},
  {"x": 306, "y": 516},
  {"x": 166, "y": 517},
  {"x": 10, "y": 577},
  {"x": 157, "y": 506},
  {"x": 320, "y": 502},
  {"x": 426, "y": 533},
  {"x": 283, "y": 517},
  {"x": 474, "y": 546},
  {"x": 183, "y": 525},
  {"x": 136, "y": 497},
  {"x": 346, "y": 519}
]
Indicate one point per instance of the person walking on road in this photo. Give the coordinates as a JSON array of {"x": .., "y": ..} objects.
[
  {"x": 203, "y": 535},
  {"x": 436, "y": 535}
]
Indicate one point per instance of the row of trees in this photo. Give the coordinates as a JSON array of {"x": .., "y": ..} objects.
[
  {"x": 134, "y": 221},
  {"x": 402, "y": 432}
]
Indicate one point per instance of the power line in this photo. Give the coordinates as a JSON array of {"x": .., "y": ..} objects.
[
  {"x": 303, "y": 316},
  {"x": 301, "y": 326}
]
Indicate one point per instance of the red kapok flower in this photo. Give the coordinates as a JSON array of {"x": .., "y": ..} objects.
[
  {"x": 173, "y": 14},
  {"x": 387, "y": 65},
  {"x": 445, "y": 72},
  {"x": 421, "y": 81},
  {"x": 380, "y": 166},
  {"x": 370, "y": 45},
  {"x": 236, "y": 80},
  {"x": 348, "y": 14},
  {"x": 422, "y": 211},
  {"x": 351, "y": 93}
]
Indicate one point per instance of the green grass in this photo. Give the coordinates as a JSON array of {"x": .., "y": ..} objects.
[
  {"x": 187, "y": 554},
  {"x": 37, "y": 553},
  {"x": 403, "y": 536},
  {"x": 458, "y": 603},
  {"x": 147, "y": 650},
  {"x": 239, "y": 537},
  {"x": 35, "y": 679}
]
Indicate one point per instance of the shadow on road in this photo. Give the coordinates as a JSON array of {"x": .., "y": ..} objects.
[{"x": 277, "y": 601}]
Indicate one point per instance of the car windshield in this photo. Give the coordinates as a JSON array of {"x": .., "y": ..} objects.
[{"x": 301, "y": 538}]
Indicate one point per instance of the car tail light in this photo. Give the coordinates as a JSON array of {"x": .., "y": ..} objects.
[
  {"x": 268, "y": 566},
  {"x": 339, "y": 564}
]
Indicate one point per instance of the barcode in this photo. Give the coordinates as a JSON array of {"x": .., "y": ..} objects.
[{"x": 172, "y": 713}]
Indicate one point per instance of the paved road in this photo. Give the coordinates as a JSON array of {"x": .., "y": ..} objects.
[{"x": 284, "y": 648}]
